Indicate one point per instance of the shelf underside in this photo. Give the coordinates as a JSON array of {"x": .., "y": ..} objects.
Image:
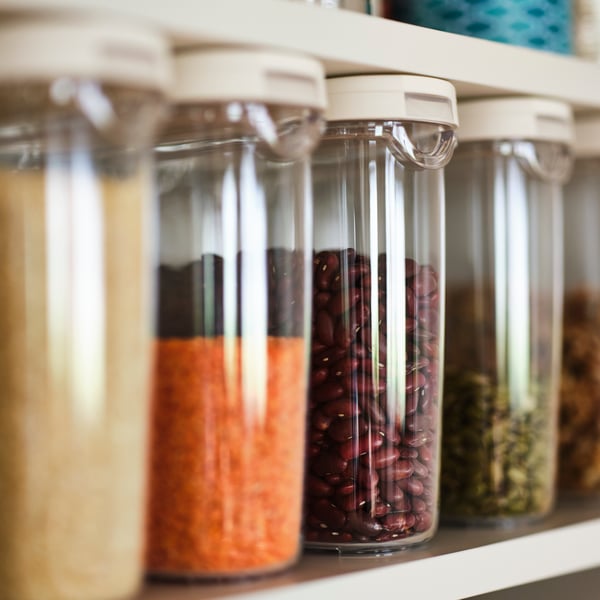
[{"x": 348, "y": 42}]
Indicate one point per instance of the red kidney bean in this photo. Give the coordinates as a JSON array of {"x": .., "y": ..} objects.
[
  {"x": 392, "y": 493},
  {"x": 321, "y": 299},
  {"x": 326, "y": 268},
  {"x": 328, "y": 392},
  {"x": 318, "y": 376},
  {"x": 324, "y": 328},
  {"x": 412, "y": 486},
  {"x": 316, "y": 437},
  {"x": 384, "y": 457},
  {"x": 426, "y": 454},
  {"x": 420, "y": 469},
  {"x": 401, "y": 469},
  {"x": 418, "y": 505},
  {"x": 315, "y": 486},
  {"x": 364, "y": 524},
  {"x": 345, "y": 367},
  {"x": 384, "y": 486},
  {"x": 345, "y": 487},
  {"x": 341, "y": 302},
  {"x": 344, "y": 429},
  {"x": 328, "y": 513},
  {"x": 327, "y": 463},
  {"x": 355, "y": 447},
  {"x": 351, "y": 502},
  {"x": 319, "y": 421},
  {"x": 395, "y": 522},
  {"x": 366, "y": 477},
  {"x": 342, "y": 408}
]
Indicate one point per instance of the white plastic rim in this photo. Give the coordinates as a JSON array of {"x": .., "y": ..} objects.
[
  {"x": 248, "y": 75},
  {"x": 39, "y": 48},
  {"x": 587, "y": 136},
  {"x": 391, "y": 98},
  {"x": 522, "y": 118}
]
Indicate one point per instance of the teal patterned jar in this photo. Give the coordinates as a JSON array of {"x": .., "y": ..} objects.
[{"x": 539, "y": 24}]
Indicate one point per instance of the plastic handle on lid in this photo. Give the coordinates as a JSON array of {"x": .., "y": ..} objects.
[
  {"x": 392, "y": 98},
  {"x": 534, "y": 119},
  {"x": 36, "y": 48},
  {"x": 234, "y": 74}
]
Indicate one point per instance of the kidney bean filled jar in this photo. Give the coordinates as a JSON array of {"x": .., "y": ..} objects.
[
  {"x": 78, "y": 116},
  {"x": 503, "y": 310},
  {"x": 377, "y": 322},
  {"x": 579, "y": 447},
  {"x": 231, "y": 380}
]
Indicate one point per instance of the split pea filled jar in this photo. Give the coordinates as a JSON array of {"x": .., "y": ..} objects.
[
  {"x": 579, "y": 448},
  {"x": 503, "y": 310},
  {"x": 80, "y": 100},
  {"x": 378, "y": 313},
  {"x": 233, "y": 325}
]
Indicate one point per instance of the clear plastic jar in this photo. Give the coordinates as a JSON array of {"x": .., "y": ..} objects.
[
  {"x": 234, "y": 304},
  {"x": 378, "y": 318},
  {"x": 77, "y": 118},
  {"x": 503, "y": 310},
  {"x": 579, "y": 449}
]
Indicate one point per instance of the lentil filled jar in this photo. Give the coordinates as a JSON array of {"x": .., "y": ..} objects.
[
  {"x": 77, "y": 122},
  {"x": 579, "y": 448},
  {"x": 378, "y": 313},
  {"x": 503, "y": 309},
  {"x": 234, "y": 303}
]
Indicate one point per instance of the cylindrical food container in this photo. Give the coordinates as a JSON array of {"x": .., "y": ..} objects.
[
  {"x": 538, "y": 24},
  {"x": 503, "y": 310},
  {"x": 234, "y": 304},
  {"x": 579, "y": 449},
  {"x": 378, "y": 319},
  {"x": 79, "y": 102}
]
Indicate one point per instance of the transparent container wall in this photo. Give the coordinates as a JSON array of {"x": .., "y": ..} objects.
[
  {"x": 76, "y": 320},
  {"x": 503, "y": 316},
  {"x": 377, "y": 337},
  {"x": 579, "y": 450},
  {"x": 230, "y": 396}
]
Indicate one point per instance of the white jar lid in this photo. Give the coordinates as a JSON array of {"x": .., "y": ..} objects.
[
  {"x": 587, "y": 136},
  {"x": 250, "y": 75},
  {"x": 113, "y": 51},
  {"x": 520, "y": 118},
  {"x": 391, "y": 98}
]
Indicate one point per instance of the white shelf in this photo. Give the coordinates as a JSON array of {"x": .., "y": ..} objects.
[
  {"x": 457, "y": 563},
  {"x": 349, "y": 42}
]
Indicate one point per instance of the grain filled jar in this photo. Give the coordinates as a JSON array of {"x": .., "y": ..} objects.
[
  {"x": 77, "y": 118},
  {"x": 503, "y": 310},
  {"x": 378, "y": 318},
  {"x": 234, "y": 303},
  {"x": 579, "y": 449}
]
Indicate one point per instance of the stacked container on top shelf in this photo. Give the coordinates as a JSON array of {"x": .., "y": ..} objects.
[
  {"x": 79, "y": 105},
  {"x": 234, "y": 303},
  {"x": 503, "y": 309},
  {"x": 579, "y": 456},
  {"x": 539, "y": 24},
  {"x": 378, "y": 313}
]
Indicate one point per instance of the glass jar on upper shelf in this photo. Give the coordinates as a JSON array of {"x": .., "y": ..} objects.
[
  {"x": 80, "y": 101},
  {"x": 233, "y": 321},
  {"x": 378, "y": 313},
  {"x": 503, "y": 310},
  {"x": 579, "y": 449}
]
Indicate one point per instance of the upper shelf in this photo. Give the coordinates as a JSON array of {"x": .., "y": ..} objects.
[{"x": 349, "y": 42}]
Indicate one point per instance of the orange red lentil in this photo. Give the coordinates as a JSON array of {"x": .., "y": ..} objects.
[{"x": 226, "y": 469}]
